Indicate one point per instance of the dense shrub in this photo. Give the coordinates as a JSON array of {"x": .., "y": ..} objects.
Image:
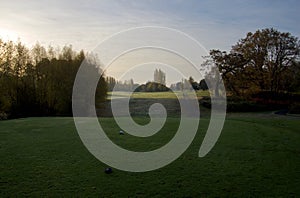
[
  {"x": 294, "y": 108},
  {"x": 3, "y": 116},
  {"x": 239, "y": 105}
]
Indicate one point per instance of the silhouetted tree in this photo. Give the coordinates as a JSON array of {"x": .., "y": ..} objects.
[
  {"x": 259, "y": 62},
  {"x": 202, "y": 85},
  {"x": 159, "y": 77},
  {"x": 35, "y": 82}
]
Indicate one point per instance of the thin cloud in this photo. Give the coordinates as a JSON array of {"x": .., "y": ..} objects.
[{"x": 217, "y": 23}]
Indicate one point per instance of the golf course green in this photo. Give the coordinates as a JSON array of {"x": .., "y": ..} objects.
[{"x": 256, "y": 155}]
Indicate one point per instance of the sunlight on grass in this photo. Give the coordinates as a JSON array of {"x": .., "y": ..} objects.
[{"x": 152, "y": 95}]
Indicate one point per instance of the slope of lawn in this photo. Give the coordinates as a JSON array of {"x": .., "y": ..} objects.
[{"x": 254, "y": 156}]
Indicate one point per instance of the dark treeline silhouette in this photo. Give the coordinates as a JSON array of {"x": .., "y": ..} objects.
[
  {"x": 39, "y": 81},
  {"x": 264, "y": 61},
  {"x": 260, "y": 72},
  {"x": 152, "y": 87},
  {"x": 190, "y": 84},
  {"x": 129, "y": 85},
  {"x": 157, "y": 85}
]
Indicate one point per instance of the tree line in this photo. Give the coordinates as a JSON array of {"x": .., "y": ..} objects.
[
  {"x": 157, "y": 85},
  {"x": 265, "y": 61},
  {"x": 129, "y": 85},
  {"x": 39, "y": 81},
  {"x": 189, "y": 84}
]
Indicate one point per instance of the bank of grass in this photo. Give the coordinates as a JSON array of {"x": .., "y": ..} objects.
[{"x": 253, "y": 157}]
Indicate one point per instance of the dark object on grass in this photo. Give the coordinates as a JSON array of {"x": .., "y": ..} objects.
[{"x": 108, "y": 170}]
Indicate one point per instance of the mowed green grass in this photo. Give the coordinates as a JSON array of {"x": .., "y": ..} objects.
[
  {"x": 154, "y": 95},
  {"x": 253, "y": 157}
]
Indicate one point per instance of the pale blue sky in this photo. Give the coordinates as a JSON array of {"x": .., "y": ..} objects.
[
  {"x": 84, "y": 23},
  {"x": 216, "y": 24}
]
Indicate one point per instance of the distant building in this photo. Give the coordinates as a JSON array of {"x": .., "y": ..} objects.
[{"x": 159, "y": 77}]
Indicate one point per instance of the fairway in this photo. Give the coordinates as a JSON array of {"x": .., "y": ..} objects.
[
  {"x": 253, "y": 157},
  {"x": 155, "y": 95},
  {"x": 140, "y": 102},
  {"x": 150, "y": 99}
]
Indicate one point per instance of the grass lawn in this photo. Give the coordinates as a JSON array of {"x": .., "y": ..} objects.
[
  {"x": 153, "y": 95},
  {"x": 254, "y": 156},
  {"x": 141, "y": 101}
]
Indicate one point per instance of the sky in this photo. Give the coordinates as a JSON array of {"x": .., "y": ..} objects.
[{"x": 216, "y": 24}]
